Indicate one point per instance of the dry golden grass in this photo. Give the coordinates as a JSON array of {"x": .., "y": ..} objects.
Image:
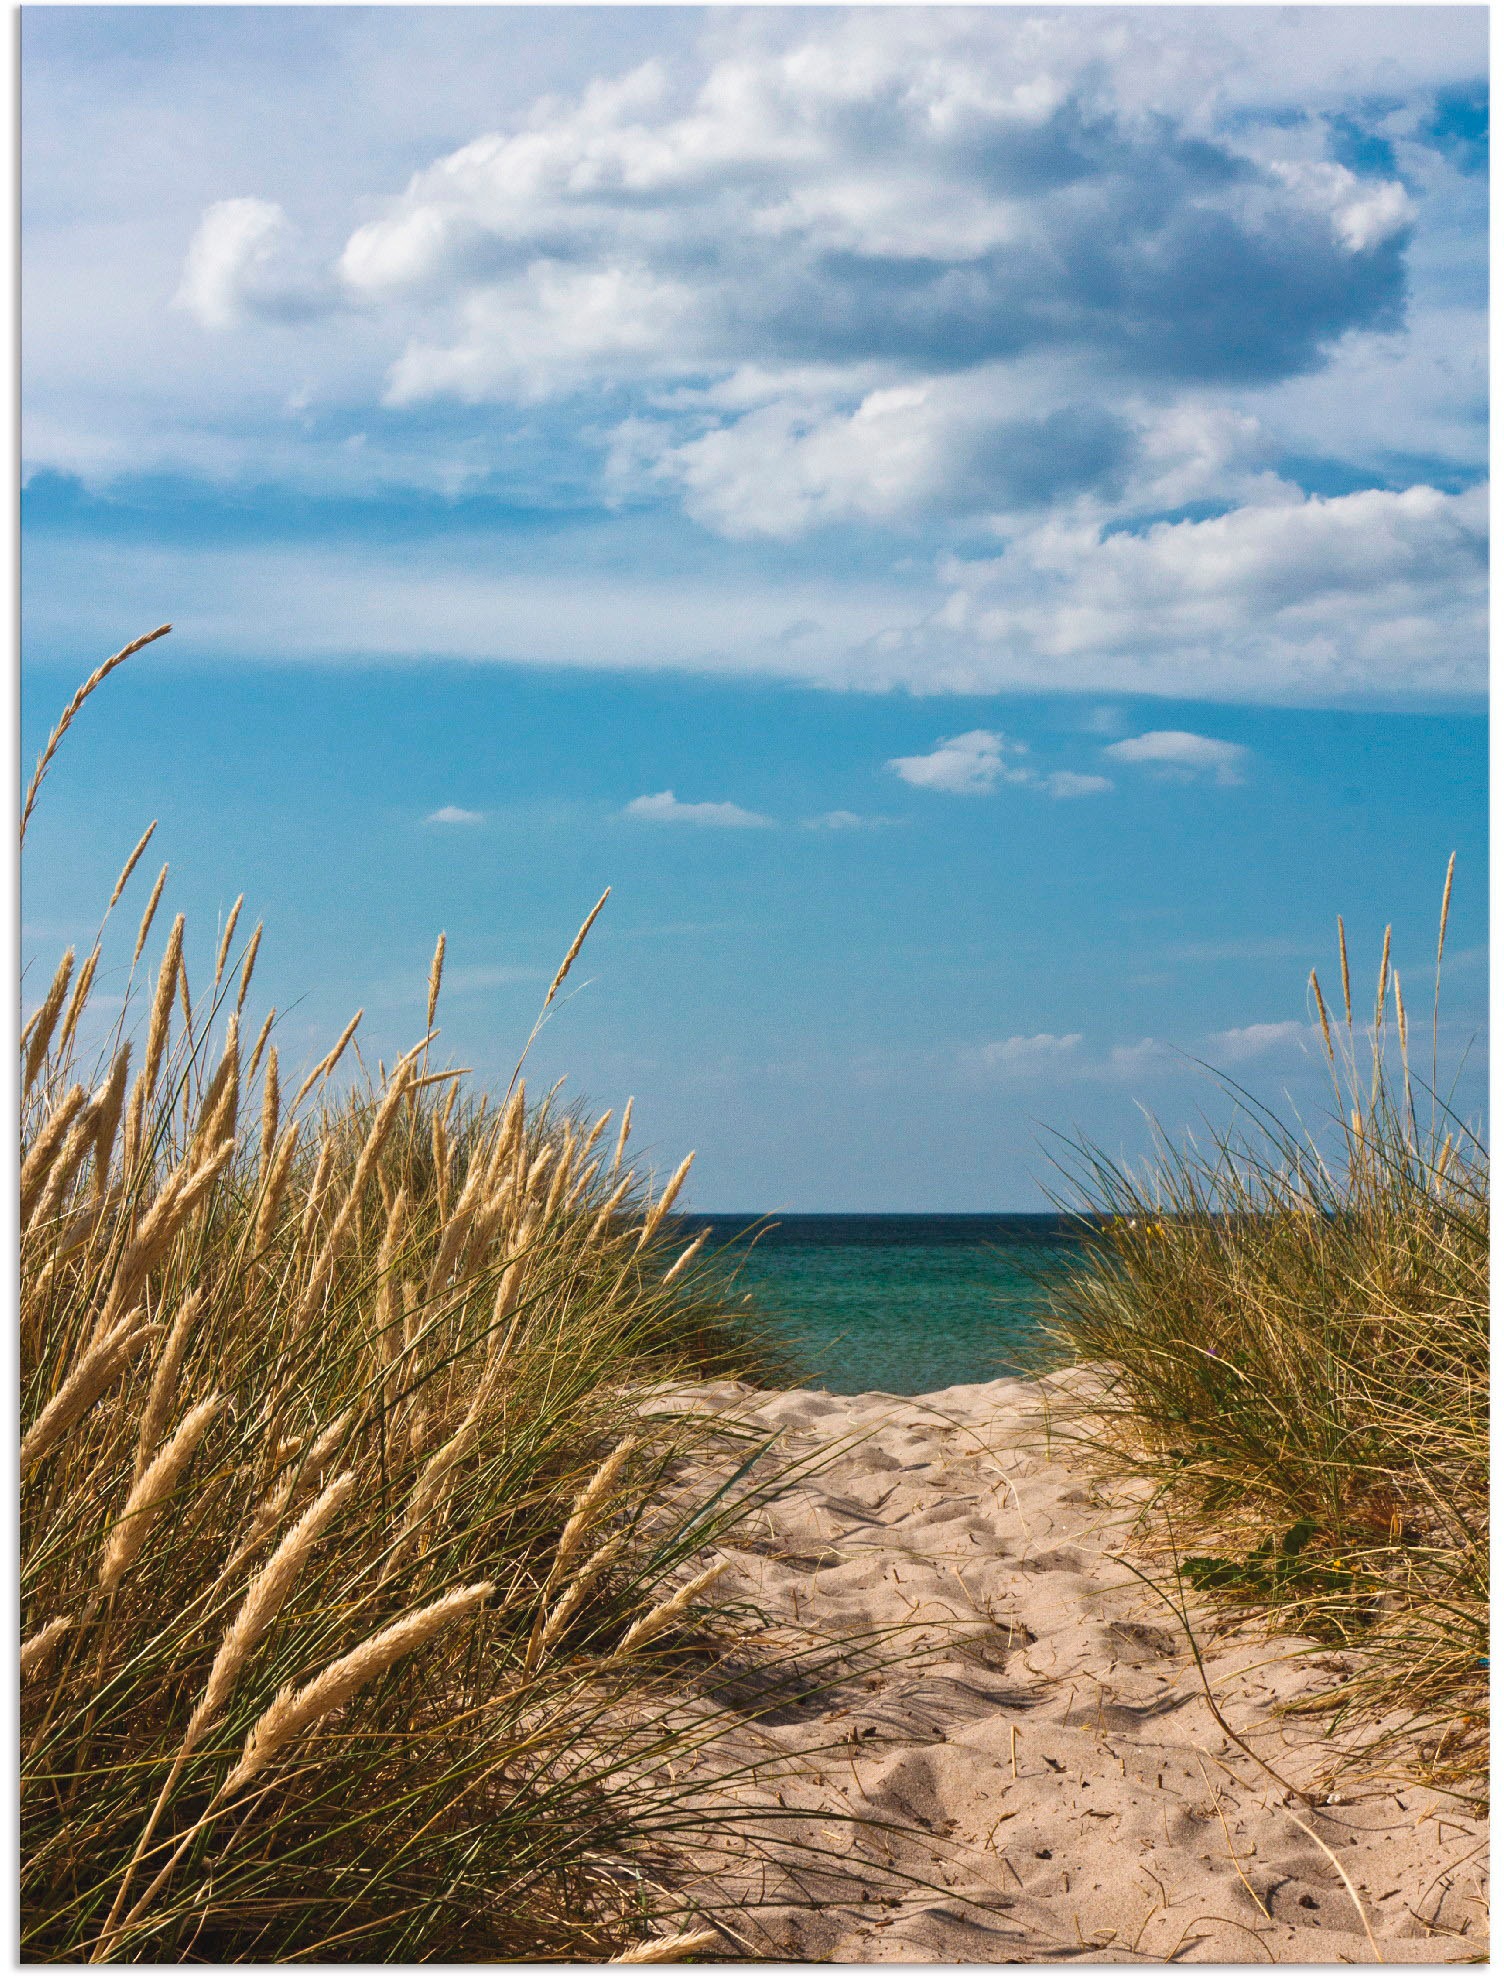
[
  {"x": 346, "y": 1572},
  {"x": 1296, "y": 1344}
]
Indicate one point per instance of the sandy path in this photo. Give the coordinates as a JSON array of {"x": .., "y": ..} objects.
[{"x": 1051, "y": 1769}]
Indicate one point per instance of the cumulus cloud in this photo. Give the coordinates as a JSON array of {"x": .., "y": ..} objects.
[
  {"x": 665, "y": 807},
  {"x": 921, "y": 189},
  {"x": 244, "y": 262},
  {"x": 1350, "y": 593},
  {"x": 1024, "y": 1056},
  {"x": 1172, "y": 753},
  {"x": 974, "y": 764},
  {"x": 874, "y": 267},
  {"x": 948, "y": 445},
  {"x": 452, "y": 813},
  {"x": 969, "y": 764},
  {"x": 1053, "y": 323}
]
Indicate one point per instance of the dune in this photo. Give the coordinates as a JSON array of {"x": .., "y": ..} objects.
[{"x": 1017, "y": 1760}]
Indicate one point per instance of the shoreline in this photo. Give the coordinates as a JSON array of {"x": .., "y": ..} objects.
[{"x": 1040, "y": 1758}]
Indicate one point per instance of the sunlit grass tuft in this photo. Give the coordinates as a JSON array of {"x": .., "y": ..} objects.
[
  {"x": 1294, "y": 1339},
  {"x": 348, "y": 1567}
]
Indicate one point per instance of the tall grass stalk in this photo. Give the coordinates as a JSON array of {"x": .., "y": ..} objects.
[{"x": 1294, "y": 1341}]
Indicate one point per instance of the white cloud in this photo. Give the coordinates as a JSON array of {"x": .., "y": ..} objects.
[
  {"x": 665, "y": 807},
  {"x": 973, "y": 764},
  {"x": 787, "y": 467},
  {"x": 1126, "y": 1060},
  {"x": 1025, "y": 1056},
  {"x": 243, "y": 262},
  {"x": 924, "y": 188},
  {"x": 1258, "y": 1039},
  {"x": 1065, "y": 1057},
  {"x": 1064, "y": 784},
  {"x": 477, "y": 978},
  {"x": 452, "y": 813},
  {"x": 922, "y": 278},
  {"x": 844, "y": 820},
  {"x": 450, "y": 597},
  {"x": 1361, "y": 214},
  {"x": 1171, "y": 752},
  {"x": 968, "y": 764},
  {"x": 1354, "y": 594},
  {"x": 778, "y": 452}
]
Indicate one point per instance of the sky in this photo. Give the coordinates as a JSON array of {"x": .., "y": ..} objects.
[{"x": 971, "y": 522}]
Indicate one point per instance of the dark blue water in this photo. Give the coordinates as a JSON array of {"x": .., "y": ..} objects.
[{"x": 899, "y": 1303}]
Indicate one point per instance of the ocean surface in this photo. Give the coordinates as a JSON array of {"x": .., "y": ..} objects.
[{"x": 899, "y": 1303}]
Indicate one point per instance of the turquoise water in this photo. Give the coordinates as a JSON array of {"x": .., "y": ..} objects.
[{"x": 900, "y": 1303}]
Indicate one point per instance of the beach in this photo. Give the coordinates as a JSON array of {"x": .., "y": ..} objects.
[{"x": 1016, "y": 1760}]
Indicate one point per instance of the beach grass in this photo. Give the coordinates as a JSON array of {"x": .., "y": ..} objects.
[
  {"x": 348, "y": 1570},
  {"x": 1293, "y": 1332}
]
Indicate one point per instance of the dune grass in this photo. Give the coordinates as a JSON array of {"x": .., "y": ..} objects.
[
  {"x": 1295, "y": 1343},
  {"x": 348, "y": 1568},
  {"x": 337, "y": 1555}
]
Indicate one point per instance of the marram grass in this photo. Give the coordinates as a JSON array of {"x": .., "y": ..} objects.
[
  {"x": 1294, "y": 1341},
  {"x": 345, "y": 1568}
]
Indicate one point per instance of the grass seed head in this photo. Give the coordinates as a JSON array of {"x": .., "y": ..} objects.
[
  {"x": 663, "y": 1616},
  {"x": 130, "y": 865},
  {"x": 38, "y": 1033},
  {"x": 435, "y": 980},
  {"x": 295, "y": 1712},
  {"x": 149, "y": 915},
  {"x": 89, "y": 1379},
  {"x": 37, "y": 1652},
  {"x": 161, "y": 1008},
  {"x": 149, "y": 1492},
  {"x": 670, "y": 1948},
  {"x": 224, "y": 942},
  {"x": 248, "y": 968},
  {"x": 265, "y": 1597}
]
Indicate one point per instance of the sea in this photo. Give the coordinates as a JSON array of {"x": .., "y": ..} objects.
[{"x": 899, "y": 1303}]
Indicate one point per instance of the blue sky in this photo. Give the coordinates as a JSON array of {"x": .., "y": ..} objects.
[{"x": 971, "y": 522}]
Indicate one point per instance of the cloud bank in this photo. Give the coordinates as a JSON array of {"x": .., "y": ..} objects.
[
  {"x": 907, "y": 189},
  {"x": 1143, "y": 349}
]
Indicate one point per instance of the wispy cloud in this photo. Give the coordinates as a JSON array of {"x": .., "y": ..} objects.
[
  {"x": 452, "y": 813},
  {"x": 845, "y": 820},
  {"x": 477, "y": 978},
  {"x": 1069, "y": 1058},
  {"x": 1132, "y": 1059},
  {"x": 1065, "y": 784},
  {"x": 1258, "y": 1039},
  {"x": 665, "y": 807},
  {"x": 1175, "y": 755}
]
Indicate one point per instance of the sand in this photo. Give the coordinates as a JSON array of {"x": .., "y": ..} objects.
[{"x": 1033, "y": 1745}]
